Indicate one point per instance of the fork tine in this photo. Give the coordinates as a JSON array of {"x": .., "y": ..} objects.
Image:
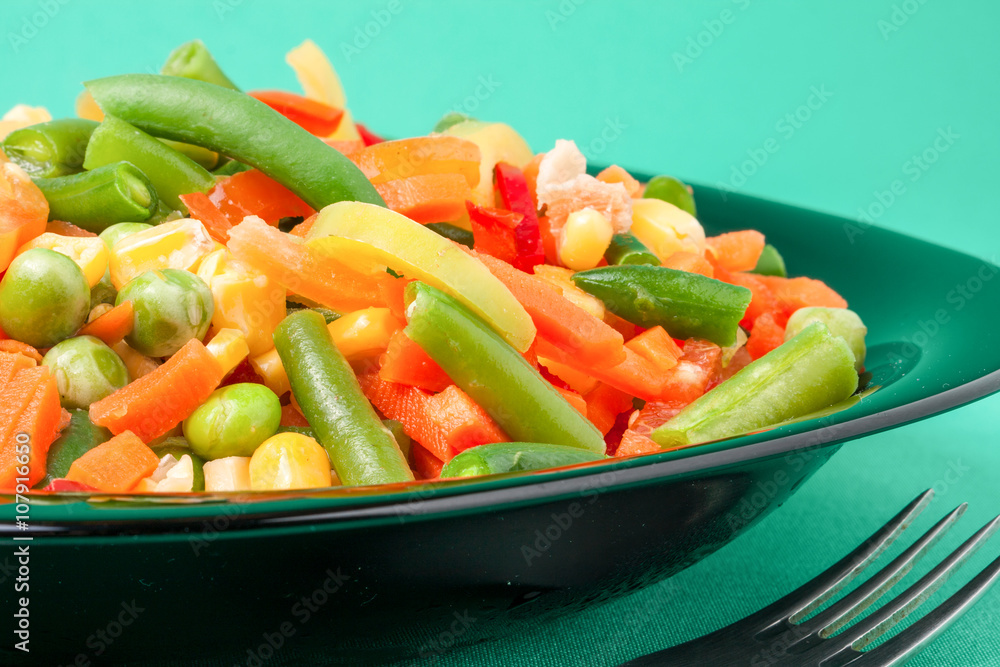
[
  {"x": 815, "y": 592},
  {"x": 873, "y": 627},
  {"x": 909, "y": 642},
  {"x": 840, "y": 614}
]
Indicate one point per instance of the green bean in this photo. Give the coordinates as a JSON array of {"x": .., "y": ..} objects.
[
  {"x": 55, "y": 148},
  {"x": 502, "y": 457},
  {"x": 171, "y": 173},
  {"x": 200, "y": 156},
  {"x": 95, "y": 200},
  {"x": 79, "y": 438},
  {"x": 456, "y": 234},
  {"x": 627, "y": 249},
  {"x": 239, "y": 127},
  {"x": 231, "y": 167},
  {"x": 192, "y": 60},
  {"x": 492, "y": 372},
  {"x": 361, "y": 448},
  {"x": 770, "y": 263}
]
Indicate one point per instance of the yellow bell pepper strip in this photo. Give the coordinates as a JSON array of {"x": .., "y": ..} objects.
[
  {"x": 239, "y": 127},
  {"x": 181, "y": 244},
  {"x": 97, "y": 199},
  {"x": 171, "y": 172},
  {"x": 229, "y": 347},
  {"x": 497, "y": 378},
  {"x": 46, "y": 150},
  {"x": 813, "y": 370},
  {"x": 497, "y": 143},
  {"x": 192, "y": 60},
  {"x": 89, "y": 252},
  {"x": 386, "y": 238},
  {"x": 361, "y": 448},
  {"x": 503, "y": 457},
  {"x": 687, "y": 305}
]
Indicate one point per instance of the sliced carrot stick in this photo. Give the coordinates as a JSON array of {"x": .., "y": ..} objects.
[
  {"x": 762, "y": 301},
  {"x": 17, "y": 347},
  {"x": 115, "y": 466},
  {"x": 558, "y": 320},
  {"x": 574, "y": 399},
  {"x": 303, "y": 270},
  {"x": 657, "y": 347},
  {"x": 604, "y": 404},
  {"x": 31, "y": 429},
  {"x": 463, "y": 423},
  {"x": 636, "y": 376},
  {"x": 302, "y": 229},
  {"x": 157, "y": 402},
  {"x": 427, "y": 198},
  {"x": 112, "y": 326},
  {"x": 766, "y": 335},
  {"x": 10, "y": 364}
]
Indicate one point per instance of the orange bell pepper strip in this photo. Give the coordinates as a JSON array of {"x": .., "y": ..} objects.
[
  {"x": 157, "y": 402},
  {"x": 427, "y": 198},
  {"x": 312, "y": 115},
  {"x": 304, "y": 270},
  {"x": 112, "y": 326},
  {"x": 405, "y": 362},
  {"x": 115, "y": 466},
  {"x": 419, "y": 156},
  {"x": 559, "y": 321}
]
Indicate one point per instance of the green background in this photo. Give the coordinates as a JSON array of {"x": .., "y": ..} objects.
[{"x": 665, "y": 103}]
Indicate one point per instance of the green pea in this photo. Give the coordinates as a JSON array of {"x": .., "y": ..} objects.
[
  {"x": 672, "y": 191},
  {"x": 44, "y": 298},
  {"x": 86, "y": 370},
  {"x": 234, "y": 421},
  {"x": 171, "y": 307},
  {"x": 116, "y": 233}
]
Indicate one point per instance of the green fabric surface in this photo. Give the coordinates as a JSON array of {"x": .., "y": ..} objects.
[{"x": 884, "y": 77}]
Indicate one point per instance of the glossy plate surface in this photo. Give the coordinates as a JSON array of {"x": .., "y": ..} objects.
[{"x": 512, "y": 550}]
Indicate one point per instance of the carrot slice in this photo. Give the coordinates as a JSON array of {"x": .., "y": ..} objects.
[
  {"x": 795, "y": 293},
  {"x": 30, "y": 420},
  {"x": 157, "y": 402},
  {"x": 461, "y": 420},
  {"x": 558, "y": 320},
  {"x": 427, "y": 198},
  {"x": 690, "y": 262},
  {"x": 303, "y": 270},
  {"x": 115, "y": 466},
  {"x": 766, "y": 335},
  {"x": 657, "y": 347},
  {"x": 112, "y": 326},
  {"x": 636, "y": 439},
  {"x": 735, "y": 251},
  {"x": 762, "y": 300},
  {"x": 17, "y": 347}
]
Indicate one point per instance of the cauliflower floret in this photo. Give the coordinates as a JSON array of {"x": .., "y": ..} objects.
[{"x": 561, "y": 164}]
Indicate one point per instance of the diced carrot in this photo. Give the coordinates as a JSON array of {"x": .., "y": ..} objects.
[
  {"x": 795, "y": 293},
  {"x": 406, "y": 362},
  {"x": 633, "y": 444},
  {"x": 290, "y": 416},
  {"x": 574, "y": 399},
  {"x": 30, "y": 419},
  {"x": 690, "y": 377},
  {"x": 765, "y": 336},
  {"x": 615, "y": 174},
  {"x": 657, "y": 347},
  {"x": 762, "y": 299},
  {"x": 653, "y": 415},
  {"x": 690, "y": 262},
  {"x": 604, "y": 404},
  {"x": 444, "y": 423},
  {"x": 157, "y": 402},
  {"x": 558, "y": 320},
  {"x": 735, "y": 251},
  {"x": 11, "y": 363},
  {"x": 427, "y": 198},
  {"x": 303, "y": 270},
  {"x": 112, "y": 326},
  {"x": 419, "y": 156},
  {"x": 115, "y": 466},
  {"x": 67, "y": 229},
  {"x": 636, "y": 376},
  {"x": 425, "y": 464},
  {"x": 17, "y": 347}
]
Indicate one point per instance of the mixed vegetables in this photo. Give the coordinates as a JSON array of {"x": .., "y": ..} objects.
[{"x": 211, "y": 290}]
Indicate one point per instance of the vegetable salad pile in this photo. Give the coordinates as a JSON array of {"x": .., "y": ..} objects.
[{"x": 211, "y": 290}]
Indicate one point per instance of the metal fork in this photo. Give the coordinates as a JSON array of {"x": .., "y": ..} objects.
[{"x": 781, "y": 635}]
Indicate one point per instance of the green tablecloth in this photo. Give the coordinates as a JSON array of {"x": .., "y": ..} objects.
[{"x": 822, "y": 104}]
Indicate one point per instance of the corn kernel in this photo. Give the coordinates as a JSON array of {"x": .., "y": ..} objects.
[
  {"x": 289, "y": 461},
  {"x": 180, "y": 244},
  {"x": 666, "y": 229},
  {"x": 229, "y": 474},
  {"x": 583, "y": 239},
  {"x": 229, "y": 347},
  {"x": 269, "y": 368},
  {"x": 137, "y": 363},
  {"x": 561, "y": 279},
  {"x": 244, "y": 299},
  {"x": 89, "y": 252},
  {"x": 364, "y": 333}
]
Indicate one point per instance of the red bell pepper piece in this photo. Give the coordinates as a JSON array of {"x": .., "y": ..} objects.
[
  {"x": 62, "y": 485},
  {"x": 516, "y": 197},
  {"x": 313, "y": 116},
  {"x": 368, "y": 136},
  {"x": 494, "y": 231},
  {"x": 405, "y": 362}
]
